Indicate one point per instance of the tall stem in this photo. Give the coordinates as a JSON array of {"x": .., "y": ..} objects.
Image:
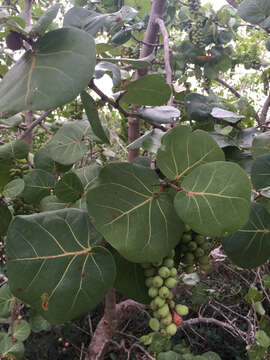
[
  {"x": 28, "y": 114},
  {"x": 151, "y": 36}
]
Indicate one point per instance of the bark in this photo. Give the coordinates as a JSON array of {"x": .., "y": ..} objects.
[
  {"x": 264, "y": 112},
  {"x": 114, "y": 317},
  {"x": 151, "y": 37}
]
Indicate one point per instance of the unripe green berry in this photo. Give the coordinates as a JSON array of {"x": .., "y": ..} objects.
[
  {"x": 149, "y": 272},
  {"x": 174, "y": 272},
  {"x": 171, "y": 304},
  {"x": 169, "y": 263},
  {"x": 157, "y": 263},
  {"x": 148, "y": 282},
  {"x": 164, "y": 311},
  {"x": 153, "y": 305},
  {"x": 200, "y": 239},
  {"x": 203, "y": 260},
  {"x": 189, "y": 269},
  {"x": 181, "y": 309},
  {"x": 156, "y": 315},
  {"x": 186, "y": 238},
  {"x": 171, "y": 283},
  {"x": 192, "y": 245},
  {"x": 157, "y": 281},
  {"x": 167, "y": 320},
  {"x": 171, "y": 329},
  {"x": 205, "y": 246},
  {"x": 164, "y": 292},
  {"x": 171, "y": 254},
  {"x": 170, "y": 296},
  {"x": 152, "y": 292},
  {"x": 199, "y": 252},
  {"x": 159, "y": 301},
  {"x": 187, "y": 228},
  {"x": 188, "y": 258},
  {"x": 164, "y": 272},
  {"x": 154, "y": 324}
]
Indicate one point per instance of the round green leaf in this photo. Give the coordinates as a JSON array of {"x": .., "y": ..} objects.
[
  {"x": 13, "y": 150},
  {"x": 150, "y": 141},
  {"x": 8, "y": 349},
  {"x": 215, "y": 200},
  {"x": 260, "y": 172},
  {"x": 182, "y": 150},
  {"x": 69, "y": 188},
  {"x": 132, "y": 215},
  {"x": 45, "y": 78},
  {"x": 261, "y": 144},
  {"x": 148, "y": 90},
  {"x": 5, "y": 218},
  {"x": 67, "y": 146},
  {"x": 6, "y": 301},
  {"x": 45, "y": 20},
  {"x": 43, "y": 161},
  {"x": 21, "y": 330},
  {"x": 56, "y": 265},
  {"x": 254, "y": 11},
  {"x": 88, "y": 175},
  {"x": 250, "y": 246},
  {"x": 38, "y": 184},
  {"x": 38, "y": 323},
  {"x": 13, "y": 188}
]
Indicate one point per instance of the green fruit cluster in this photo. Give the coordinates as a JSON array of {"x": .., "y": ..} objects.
[
  {"x": 161, "y": 278},
  {"x": 196, "y": 32},
  {"x": 194, "y": 251}
]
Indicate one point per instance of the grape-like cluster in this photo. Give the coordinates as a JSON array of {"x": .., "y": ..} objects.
[
  {"x": 21, "y": 208},
  {"x": 197, "y": 36},
  {"x": 194, "y": 250},
  {"x": 161, "y": 278},
  {"x": 20, "y": 169}
]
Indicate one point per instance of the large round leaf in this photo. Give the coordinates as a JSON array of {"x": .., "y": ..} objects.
[
  {"x": 198, "y": 107},
  {"x": 13, "y": 150},
  {"x": 250, "y": 246},
  {"x": 13, "y": 188},
  {"x": 10, "y": 349},
  {"x": 260, "y": 172},
  {"x": 38, "y": 184},
  {"x": 130, "y": 212},
  {"x": 69, "y": 188},
  {"x": 43, "y": 161},
  {"x": 182, "y": 150},
  {"x": 148, "y": 90},
  {"x": 215, "y": 200},
  {"x": 6, "y": 301},
  {"x": 54, "y": 73},
  {"x": 55, "y": 263},
  {"x": 67, "y": 145},
  {"x": 261, "y": 144}
]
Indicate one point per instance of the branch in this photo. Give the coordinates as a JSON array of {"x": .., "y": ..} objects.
[
  {"x": 266, "y": 105},
  {"x": 105, "y": 330},
  {"x": 229, "y": 87},
  {"x": 151, "y": 36},
  {"x": 232, "y": 3},
  {"x": 237, "y": 94},
  {"x": 168, "y": 69},
  {"x": 34, "y": 124}
]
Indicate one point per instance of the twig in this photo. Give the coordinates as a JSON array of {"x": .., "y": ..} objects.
[
  {"x": 168, "y": 69},
  {"x": 229, "y": 87},
  {"x": 232, "y": 3},
  {"x": 144, "y": 42},
  {"x": 35, "y": 123}
]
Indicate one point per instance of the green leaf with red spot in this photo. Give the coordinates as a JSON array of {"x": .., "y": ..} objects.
[{"x": 57, "y": 265}]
